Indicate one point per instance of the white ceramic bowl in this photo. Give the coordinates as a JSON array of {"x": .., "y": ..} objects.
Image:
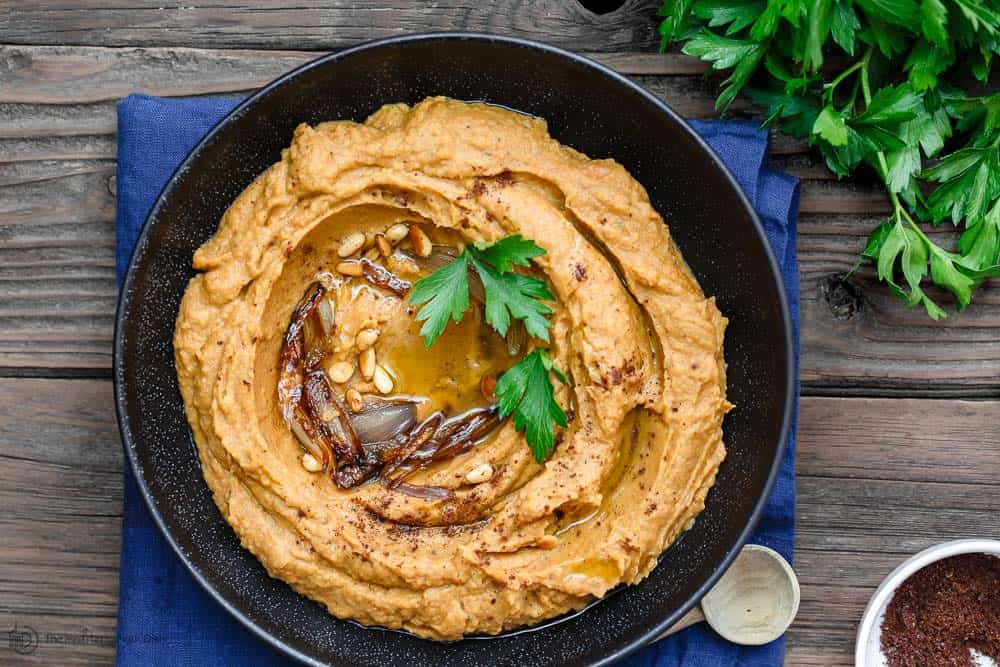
[{"x": 868, "y": 650}]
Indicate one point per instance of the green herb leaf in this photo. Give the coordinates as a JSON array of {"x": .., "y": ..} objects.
[
  {"x": 844, "y": 25},
  {"x": 979, "y": 15},
  {"x": 445, "y": 294},
  {"x": 945, "y": 273},
  {"x": 980, "y": 243},
  {"x": 737, "y": 14},
  {"x": 895, "y": 12},
  {"x": 830, "y": 125},
  {"x": 893, "y": 104},
  {"x": 526, "y": 391},
  {"x": 925, "y": 63},
  {"x": 855, "y": 111},
  {"x": 934, "y": 21},
  {"x": 816, "y": 34},
  {"x": 511, "y": 251},
  {"x": 513, "y": 295},
  {"x": 675, "y": 15},
  {"x": 723, "y": 52}
]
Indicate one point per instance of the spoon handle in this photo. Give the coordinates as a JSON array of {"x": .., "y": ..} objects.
[{"x": 690, "y": 618}]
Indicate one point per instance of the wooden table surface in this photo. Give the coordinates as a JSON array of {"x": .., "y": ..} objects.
[{"x": 897, "y": 446}]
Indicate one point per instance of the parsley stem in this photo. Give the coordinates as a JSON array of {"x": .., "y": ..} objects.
[
  {"x": 830, "y": 87},
  {"x": 866, "y": 90}
]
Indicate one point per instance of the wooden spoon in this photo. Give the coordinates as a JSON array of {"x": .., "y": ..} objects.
[{"x": 753, "y": 603}]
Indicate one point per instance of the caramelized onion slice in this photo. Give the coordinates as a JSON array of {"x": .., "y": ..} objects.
[
  {"x": 327, "y": 315},
  {"x": 331, "y": 419},
  {"x": 291, "y": 346},
  {"x": 441, "y": 256},
  {"x": 382, "y": 419},
  {"x": 452, "y": 437},
  {"x": 423, "y": 492},
  {"x": 380, "y": 276}
]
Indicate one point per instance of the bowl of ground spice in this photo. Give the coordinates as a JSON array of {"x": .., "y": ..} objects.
[{"x": 940, "y": 607}]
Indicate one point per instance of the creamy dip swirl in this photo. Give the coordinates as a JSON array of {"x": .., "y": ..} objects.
[{"x": 638, "y": 339}]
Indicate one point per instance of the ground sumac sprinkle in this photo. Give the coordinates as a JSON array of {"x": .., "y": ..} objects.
[{"x": 943, "y": 611}]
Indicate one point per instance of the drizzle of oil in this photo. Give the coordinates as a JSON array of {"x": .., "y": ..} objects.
[
  {"x": 449, "y": 374},
  {"x": 601, "y": 568},
  {"x": 634, "y": 430}
]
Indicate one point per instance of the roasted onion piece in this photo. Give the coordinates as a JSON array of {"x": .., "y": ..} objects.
[
  {"x": 450, "y": 437},
  {"x": 441, "y": 256},
  {"x": 424, "y": 492},
  {"x": 290, "y": 379},
  {"x": 384, "y": 438},
  {"x": 382, "y": 277},
  {"x": 382, "y": 420}
]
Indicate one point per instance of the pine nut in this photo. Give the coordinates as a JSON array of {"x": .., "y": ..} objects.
[
  {"x": 383, "y": 245},
  {"x": 354, "y": 400},
  {"x": 382, "y": 380},
  {"x": 366, "y": 338},
  {"x": 351, "y": 244},
  {"x": 372, "y": 254},
  {"x": 310, "y": 463},
  {"x": 352, "y": 268},
  {"x": 397, "y": 232},
  {"x": 421, "y": 243},
  {"x": 369, "y": 240},
  {"x": 479, "y": 474},
  {"x": 340, "y": 372},
  {"x": 366, "y": 361}
]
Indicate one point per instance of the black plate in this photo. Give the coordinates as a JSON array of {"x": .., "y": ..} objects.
[{"x": 588, "y": 107}]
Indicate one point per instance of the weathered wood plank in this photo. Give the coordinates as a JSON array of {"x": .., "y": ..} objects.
[
  {"x": 878, "y": 480},
  {"x": 76, "y": 75},
  {"x": 954, "y": 443},
  {"x": 321, "y": 24},
  {"x": 61, "y": 494},
  {"x": 859, "y": 339},
  {"x": 57, "y": 146}
]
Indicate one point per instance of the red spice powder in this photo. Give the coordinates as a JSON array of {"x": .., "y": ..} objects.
[{"x": 943, "y": 612}]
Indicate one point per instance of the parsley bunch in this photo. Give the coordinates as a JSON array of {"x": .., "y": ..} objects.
[
  {"x": 525, "y": 390},
  {"x": 884, "y": 83}
]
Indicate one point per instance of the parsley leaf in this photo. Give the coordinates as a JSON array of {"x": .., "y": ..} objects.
[
  {"x": 513, "y": 295},
  {"x": 737, "y": 14},
  {"x": 723, "y": 53},
  {"x": 830, "y": 125},
  {"x": 445, "y": 294},
  {"x": 525, "y": 391},
  {"x": 510, "y": 251},
  {"x": 880, "y": 85},
  {"x": 934, "y": 21},
  {"x": 844, "y": 25}
]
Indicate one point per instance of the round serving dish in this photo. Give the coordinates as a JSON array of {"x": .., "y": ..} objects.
[
  {"x": 588, "y": 107},
  {"x": 868, "y": 649}
]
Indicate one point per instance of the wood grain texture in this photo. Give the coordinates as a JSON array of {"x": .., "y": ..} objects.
[
  {"x": 57, "y": 149},
  {"x": 878, "y": 480},
  {"x": 321, "y": 24},
  {"x": 61, "y": 495},
  {"x": 904, "y": 475}
]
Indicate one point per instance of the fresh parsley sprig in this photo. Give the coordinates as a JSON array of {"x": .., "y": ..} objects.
[
  {"x": 881, "y": 83},
  {"x": 524, "y": 390},
  {"x": 508, "y": 294}
]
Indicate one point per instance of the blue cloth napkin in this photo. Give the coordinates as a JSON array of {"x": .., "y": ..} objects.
[{"x": 165, "y": 617}]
